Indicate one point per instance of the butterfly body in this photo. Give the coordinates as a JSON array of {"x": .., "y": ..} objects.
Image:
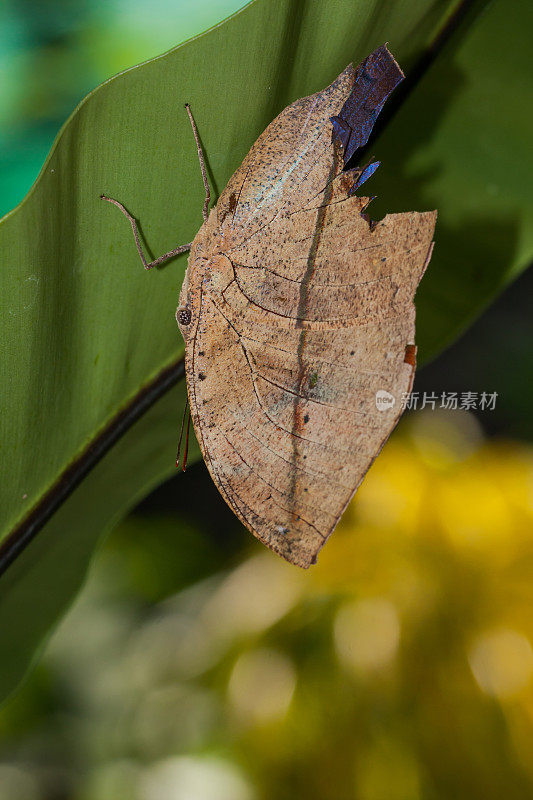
[{"x": 299, "y": 310}]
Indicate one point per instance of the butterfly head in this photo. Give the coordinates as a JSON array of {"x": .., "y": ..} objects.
[{"x": 184, "y": 316}]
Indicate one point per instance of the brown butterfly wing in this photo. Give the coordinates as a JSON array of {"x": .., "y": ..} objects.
[{"x": 303, "y": 312}]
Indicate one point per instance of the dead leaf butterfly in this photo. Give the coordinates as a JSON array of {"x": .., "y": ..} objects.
[{"x": 298, "y": 316}]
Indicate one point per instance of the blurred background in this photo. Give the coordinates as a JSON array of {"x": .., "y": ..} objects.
[
  {"x": 54, "y": 52},
  {"x": 195, "y": 664}
]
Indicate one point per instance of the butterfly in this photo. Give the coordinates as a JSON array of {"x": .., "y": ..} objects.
[{"x": 297, "y": 312}]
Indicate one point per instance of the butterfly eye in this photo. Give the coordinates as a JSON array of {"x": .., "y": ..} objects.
[{"x": 184, "y": 316}]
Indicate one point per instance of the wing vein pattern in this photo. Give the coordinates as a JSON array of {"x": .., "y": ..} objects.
[{"x": 302, "y": 318}]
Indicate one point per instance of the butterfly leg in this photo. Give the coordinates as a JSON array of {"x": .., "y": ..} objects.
[
  {"x": 205, "y": 210},
  {"x": 147, "y": 264}
]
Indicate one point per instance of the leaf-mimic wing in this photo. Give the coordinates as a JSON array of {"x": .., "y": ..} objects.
[{"x": 302, "y": 319}]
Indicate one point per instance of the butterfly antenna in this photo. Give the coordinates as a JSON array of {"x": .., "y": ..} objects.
[
  {"x": 182, "y": 427},
  {"x": 207, "y": 200},
  {"x": 185, "y": 454}
]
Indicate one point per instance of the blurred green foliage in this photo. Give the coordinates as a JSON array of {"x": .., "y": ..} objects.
[
  {"x": 53, "y": 52},
  {"x": 399, "y": 668}
]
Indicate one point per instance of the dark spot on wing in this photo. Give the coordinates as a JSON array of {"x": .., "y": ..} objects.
[{"x": 410, "y": 355}]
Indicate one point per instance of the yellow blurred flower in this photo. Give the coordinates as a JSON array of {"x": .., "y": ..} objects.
[
  {"x": 502, "y": 662},
  {"x": 436, "y": 479},
  {"x": 367, "y": 634},
  {"x": 261, "y": 685}
]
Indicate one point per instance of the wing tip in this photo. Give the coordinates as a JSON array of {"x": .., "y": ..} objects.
[
  {"x": 385, "y": 48},
  {"x": 297, "y": 553},
  {"x": 375, "y": 78}
]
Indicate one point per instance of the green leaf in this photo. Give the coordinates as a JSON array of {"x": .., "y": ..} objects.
[
  {"x": 87, "y": 329},
  {"x": 461, "y": 144},
  {"x": 39, "y": 586}
]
